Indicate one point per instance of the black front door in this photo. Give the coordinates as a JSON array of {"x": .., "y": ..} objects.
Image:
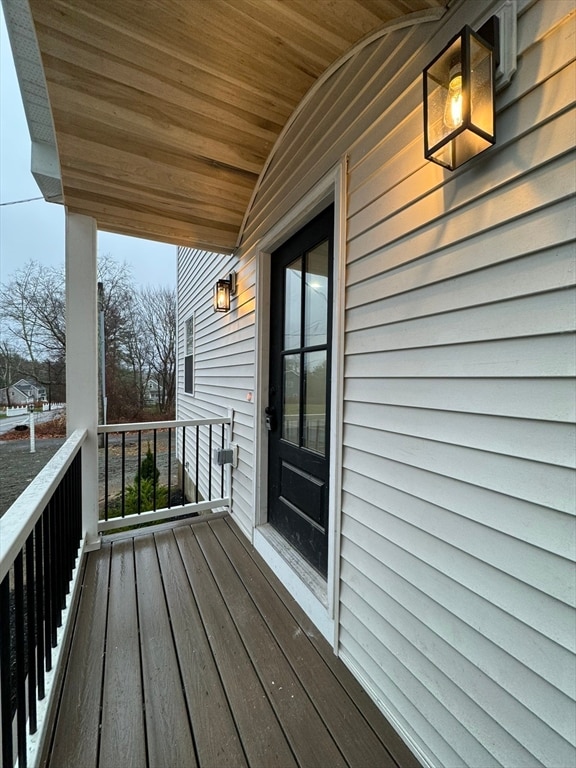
[{"x": 298, "y": 412}]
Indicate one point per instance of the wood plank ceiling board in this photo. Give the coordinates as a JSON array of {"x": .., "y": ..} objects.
[{"x": 172, "y": 109}]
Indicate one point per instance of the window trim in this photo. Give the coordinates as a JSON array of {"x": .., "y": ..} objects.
[{"x": 189, "y": 368}]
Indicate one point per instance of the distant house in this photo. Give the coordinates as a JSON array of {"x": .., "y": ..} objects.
[
  {"x": 152, "y": 392},
  {"x": 21, "y": 392}
]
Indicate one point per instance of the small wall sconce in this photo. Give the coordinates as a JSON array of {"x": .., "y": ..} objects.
[
  {"x": 222, "y": 292},
  {"x": 459, "y": 97}
]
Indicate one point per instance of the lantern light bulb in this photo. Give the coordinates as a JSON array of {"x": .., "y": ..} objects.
[{"x": 453, "y": 109}]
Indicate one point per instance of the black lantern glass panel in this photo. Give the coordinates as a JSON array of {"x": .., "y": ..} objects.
[
  {"x": 223, "y": 290},
  {"x": 459, "y": 101},
  {"x": 222, "y": 296}
]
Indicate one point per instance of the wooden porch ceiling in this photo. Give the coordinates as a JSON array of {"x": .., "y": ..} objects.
[
  {"x": 187, "y": 651},
  {"x": 166, "y": 112}
]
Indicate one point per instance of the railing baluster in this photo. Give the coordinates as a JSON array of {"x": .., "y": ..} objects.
[
  {"x": 20, "y": 658},
  {"x": 57, "y": 527},
  {"x": 54, "y": 597},
  {"x": 223, "y": 438},
  {"x": 32, "y": 631},
  {"x": 183, "y": 472},
  {"x": 169, "y": 467},
  {"x": 6, "y": 672},
  {"x": 154, "y": 475},
  {"x": 210, "y": 461},
  {"x": 69, "y": 553},
  {"x": 47, "y": 591},
  {"x": 70, "y": 500},
  {"x": 40, "y": 610},
  {"x": 61, "y": 527},
  {"x": 197, "y": 460},
  {"x": 139, "y": 473},
  {"x": 77, "y": 474},
  {"x": 123, "y": 474},
  {"x": 106, "y": 476},
  {"x": 68, "y": 523}
]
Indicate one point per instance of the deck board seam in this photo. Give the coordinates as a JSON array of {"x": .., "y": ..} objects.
[
  {"x": 104, "y": 659},
  {"x": 47, "y": 750},
  {"x": 92, "y": 581},
  {"x": 280, "y": 650},
  {"x": 169, "y": 734},
  {"x": 246, "y": 650},
  {"x": 140, "y": 660},
  {"x": 297, "y": 672},
  {"x": 311, "y": 637},
  {"x": 176, "y": 654},
  {"x": 209, "y": 645}
]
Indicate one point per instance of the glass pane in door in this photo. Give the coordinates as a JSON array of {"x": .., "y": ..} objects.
[
  {"x": 292, "y": 304},
  {"x": 316, "y": 314},
  {"x": 291, "y": 404},
  {"x": 314, "y": 436}
]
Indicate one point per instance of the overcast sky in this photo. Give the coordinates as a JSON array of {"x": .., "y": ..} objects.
[{"x": 35, "y": 230}]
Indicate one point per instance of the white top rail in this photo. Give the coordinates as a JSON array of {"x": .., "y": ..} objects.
[
  {"x": 140, "y": 426},
  {"x": 19, "y": 520}
]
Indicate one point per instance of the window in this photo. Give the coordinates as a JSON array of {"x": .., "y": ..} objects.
[{"x": 189, "y": 357}]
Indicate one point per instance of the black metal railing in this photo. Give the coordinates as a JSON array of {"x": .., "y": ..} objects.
[
  {"x": 37, "y": 567},
  {"x": 156, "y": 470}
]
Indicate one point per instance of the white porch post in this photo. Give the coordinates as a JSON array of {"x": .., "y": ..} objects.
[{"x": 82, "y": 357}]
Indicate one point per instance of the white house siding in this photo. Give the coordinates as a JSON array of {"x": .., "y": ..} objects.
[
  {"x": 224, "y": 361},
  {"x": 457, "y": 583}
]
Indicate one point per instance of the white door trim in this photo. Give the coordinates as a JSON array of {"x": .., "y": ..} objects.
[{"x": 322, "y": 609}]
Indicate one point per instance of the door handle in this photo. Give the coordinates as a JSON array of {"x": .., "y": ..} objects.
[{"x": 271, "y": 422}]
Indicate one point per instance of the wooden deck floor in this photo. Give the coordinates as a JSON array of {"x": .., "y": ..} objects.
[{"x": 188, "y": 652}]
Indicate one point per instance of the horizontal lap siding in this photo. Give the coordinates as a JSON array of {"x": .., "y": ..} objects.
[
  {"x": 458, "y": 530},
  {"x": 223, "y": 364}
]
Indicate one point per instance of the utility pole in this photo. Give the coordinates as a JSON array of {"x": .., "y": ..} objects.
[
  {"x": 102, "y": 347},
  {"x": 49, "y": 385},
  {"x": 32, "y": 433}
]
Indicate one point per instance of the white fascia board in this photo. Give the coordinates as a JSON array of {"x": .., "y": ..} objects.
[{"x": 45, "y": 164}]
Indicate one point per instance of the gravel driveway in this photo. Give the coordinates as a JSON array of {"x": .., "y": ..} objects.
[{"x": 18, "y": 467}]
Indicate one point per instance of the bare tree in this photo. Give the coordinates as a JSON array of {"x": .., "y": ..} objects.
[
  {"x": 139, "y": 331},
  {"x": 157, "y": 308},
  {"x": 138, "y": 352},
  {"x": 10, "y": 364},
  {"x": 32, "y": 307}
]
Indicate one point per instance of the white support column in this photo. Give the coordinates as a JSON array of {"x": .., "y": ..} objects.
[{"x": 82, "y": 357}]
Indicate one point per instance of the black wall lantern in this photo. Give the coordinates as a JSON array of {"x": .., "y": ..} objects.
[
  {"x": 222, "y": 292},
  {"x": 459, "y": 97}
]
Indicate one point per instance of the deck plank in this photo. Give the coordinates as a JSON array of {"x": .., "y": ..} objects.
[
  {"x": 357, "y": 740},
  {"x": 262, "y": 737},
  {"x": 378, "y": 744},
  {"x": 204, "y": 651},
  {"x": 167, "y": 726},
  {"x": 76, "y": 732},
  {"x": 309, "y": 738},
  {"x": 123, "y": 740},
  {"x": 217, "y": 742}
]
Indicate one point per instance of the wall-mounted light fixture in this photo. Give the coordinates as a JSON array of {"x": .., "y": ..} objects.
[
  {"x": 222, "y": 292},
  {"x": 459, "y": 88}
]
